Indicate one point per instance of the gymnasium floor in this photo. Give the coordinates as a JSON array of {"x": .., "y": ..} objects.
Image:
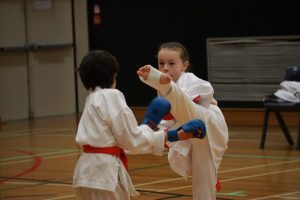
[{"x": 38, "y": 156}]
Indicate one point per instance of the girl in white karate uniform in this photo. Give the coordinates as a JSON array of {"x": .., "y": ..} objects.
[
  {"x": 107, "y": 126},
  {"x": 199, "y": 158}
]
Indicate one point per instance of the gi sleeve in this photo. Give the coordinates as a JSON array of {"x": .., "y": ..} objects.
[
  {"x": 182, "y": 108},
  {"x": 133, "y": 138}
]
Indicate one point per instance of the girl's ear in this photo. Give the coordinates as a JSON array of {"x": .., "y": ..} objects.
[
  {"x": 186, "y": 65},
  {"x": 114, "y": 84}
]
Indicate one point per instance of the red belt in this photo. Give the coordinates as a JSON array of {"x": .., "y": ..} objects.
[{"x": 114, "y": 150}]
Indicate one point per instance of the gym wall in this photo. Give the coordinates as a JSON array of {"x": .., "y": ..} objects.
[{"x": 41, "y": 43}]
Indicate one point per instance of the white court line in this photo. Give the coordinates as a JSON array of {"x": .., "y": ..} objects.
[
  {"x": 279, "y": 195},
  {"x": 62, "y": 197},
  {"x": 22, "y": 133},
  {"x": 260, "y": 198},
  {"x": 180, "y": 178},
  {"x": 225, "y": 171},
  {"x": 263, "y": 174},
  {"x": 162, "y": 181},
  {"x": 167, "y": 180},
  {"x": 38, "y": 183},
  {"x": 237, "y": 178},
  {"x": 44, "y": 158},
  {"x": 258, "y": 166}
]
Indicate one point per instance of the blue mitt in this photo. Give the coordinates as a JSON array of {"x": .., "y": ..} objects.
[
  {"x": 196, "y": 126},
  {"x": 156, "y": 110}
]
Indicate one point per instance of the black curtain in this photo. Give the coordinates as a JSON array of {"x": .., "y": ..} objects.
[{"x": 133, "y": 30}]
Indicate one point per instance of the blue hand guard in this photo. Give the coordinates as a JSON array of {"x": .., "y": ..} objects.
[
  {"x": 196, "y": 126},
  {"x": 156, "y": 110},
  {"x": 172, "y": 135}
]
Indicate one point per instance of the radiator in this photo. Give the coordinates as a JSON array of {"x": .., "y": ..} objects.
[{"x": 247, "y": 68}]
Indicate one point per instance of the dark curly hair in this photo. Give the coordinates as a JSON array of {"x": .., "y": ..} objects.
[{"x": 98, "y": 68}]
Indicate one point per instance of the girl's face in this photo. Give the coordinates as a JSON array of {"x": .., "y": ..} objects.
[{"x": 170, "y": 62}]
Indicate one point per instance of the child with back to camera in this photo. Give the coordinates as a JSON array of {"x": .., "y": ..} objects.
[
  {"x": 201, "y": 158},
  {"x": 108, "y": 127}
]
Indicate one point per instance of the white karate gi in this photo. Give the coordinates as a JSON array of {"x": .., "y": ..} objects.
[
  {"x": 193, "y": 87},
  {"x": 200, "y": 157},
  {"x": 108, "y": 121},
  {"x": 289, "y": 91}
]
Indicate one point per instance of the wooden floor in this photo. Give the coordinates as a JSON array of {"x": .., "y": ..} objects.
[{"x": 37, "y": 159}]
